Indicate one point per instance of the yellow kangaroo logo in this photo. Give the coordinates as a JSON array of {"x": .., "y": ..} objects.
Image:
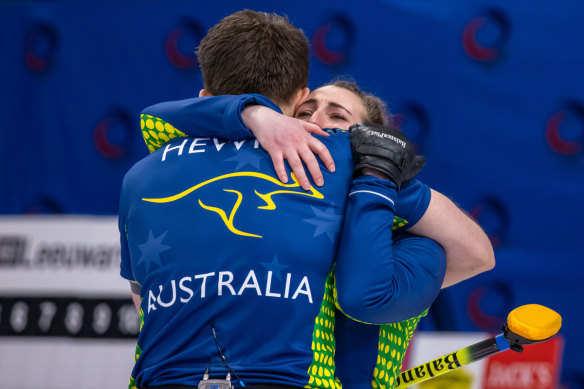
[{"x": 266, "y": 197}]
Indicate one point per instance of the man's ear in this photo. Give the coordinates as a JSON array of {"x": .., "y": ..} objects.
[
  {"x": 204, "y": 93},
  {"x": 301, "y": 95}
]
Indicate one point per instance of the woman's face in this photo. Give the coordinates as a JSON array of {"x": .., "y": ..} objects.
[{"x": 332, "y": 107}]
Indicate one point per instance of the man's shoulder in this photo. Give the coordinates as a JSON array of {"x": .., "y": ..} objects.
[{"x": 143, "y": 167}]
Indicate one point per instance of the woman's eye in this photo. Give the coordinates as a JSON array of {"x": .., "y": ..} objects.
[
  {"x": 303, "y": 114},
  {"x": 337, "y": 116}
]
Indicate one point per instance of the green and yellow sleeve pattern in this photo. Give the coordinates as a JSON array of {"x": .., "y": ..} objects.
[
  {"x": 132, "y": 384},
  {"x": 394, "y": 340},
  {"x": 321, "y": 371},
  {"x": 156, "y": 131}
]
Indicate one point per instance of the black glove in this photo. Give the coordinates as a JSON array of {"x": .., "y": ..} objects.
[{"x": 385, "y": 150}]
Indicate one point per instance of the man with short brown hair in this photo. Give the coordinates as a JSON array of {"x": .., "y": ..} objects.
[
  {"x": 229, "y": 287},
  {"x": 271, "y": 61}
]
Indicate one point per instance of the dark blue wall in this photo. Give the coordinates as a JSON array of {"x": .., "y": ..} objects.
[{"x": 491, "y": 91}]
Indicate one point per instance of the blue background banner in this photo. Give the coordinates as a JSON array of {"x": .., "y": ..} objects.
[{"x": 492, "y": 92}]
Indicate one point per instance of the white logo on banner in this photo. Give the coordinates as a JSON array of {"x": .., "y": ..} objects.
[{"x": 60, "y": 255}]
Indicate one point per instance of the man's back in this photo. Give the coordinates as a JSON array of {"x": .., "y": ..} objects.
[{"x": 218, "y": 243}]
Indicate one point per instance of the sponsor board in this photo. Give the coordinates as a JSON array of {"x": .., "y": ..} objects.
[
  {"x": 46, "y": 316},
  {"x": 66, "y": 315},
  {"x": 537, "y": 367},
  {"x": 64, "y": 255},
  {"x": 65, "y": 363}
]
